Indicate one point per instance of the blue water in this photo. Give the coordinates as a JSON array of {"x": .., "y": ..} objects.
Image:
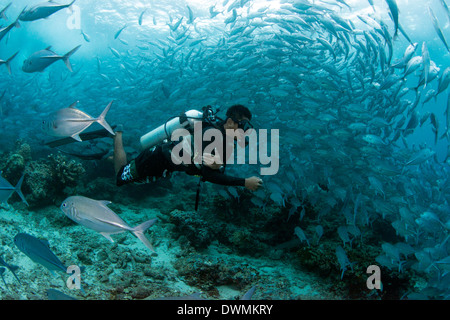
[{"x": 270, "y": 61}]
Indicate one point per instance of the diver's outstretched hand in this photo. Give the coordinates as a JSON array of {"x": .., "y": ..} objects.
[{"x": 253, "y": 183}]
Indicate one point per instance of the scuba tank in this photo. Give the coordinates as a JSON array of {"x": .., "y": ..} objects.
[
  {"x": 165, "y": 130},
  {"x": 185, "y": 121}
]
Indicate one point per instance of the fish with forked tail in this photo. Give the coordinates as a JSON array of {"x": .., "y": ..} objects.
[
  {"x": 40, "y": 60},
  {"x": 42, "y": 10},
  {"x": 95, "y": 215},
  {"x": 70, "y": 122},
  {"x": 6, "y": 190},
  {"x": 4, "y": 31},
  {"x": 39, "y": 251}
]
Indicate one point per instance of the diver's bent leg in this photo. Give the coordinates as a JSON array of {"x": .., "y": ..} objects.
[{"x": 120, "y": 156}]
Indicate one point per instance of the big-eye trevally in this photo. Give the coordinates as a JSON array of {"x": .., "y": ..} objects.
[
  {"x": 437, "y": 28},
  {"x": 4, "y": 31},
  {"x": 85, "y": 36},
  {"x": 70, "y": 122},
  {"x": 6, "y": 190},
  {"x": 444, "y": 81},
  {"x": 426, "y": 63},
  {"x": 40, "y": 60},
  {"x": 39, "y": 251},
  {"x": 119, "y": 32},
  {"x": 95, "y": 215},
  {"x": 420, "y": 157},
  {"x": 8, "y": 61},
  {"x": 42, "y": 10},
  {"x": 393, "y": 8},
  {"x": 191, "y": 15},
  {"x": 141, "y": 16}
]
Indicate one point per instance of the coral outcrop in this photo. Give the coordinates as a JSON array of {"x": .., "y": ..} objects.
[{"x": 46, "y": 180}]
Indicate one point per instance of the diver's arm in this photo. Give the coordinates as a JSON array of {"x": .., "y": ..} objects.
[{"x": 218, "y": 177}]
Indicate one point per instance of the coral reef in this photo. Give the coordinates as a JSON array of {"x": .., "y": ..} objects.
[
  {"x": 49, "y": 181},
  {"x": 65, "y": 172},
  {"x": 46, "y": 180},
  {"x": 208, "y": 272},
  {"x": 13, "y": 163},
  {"x": 193, "y": 227}
]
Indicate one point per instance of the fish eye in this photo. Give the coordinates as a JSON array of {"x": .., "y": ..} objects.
[{"x": 64, "y": 205}]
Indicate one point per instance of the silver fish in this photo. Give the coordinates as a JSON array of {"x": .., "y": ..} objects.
[
  {"x": 95, "y": 215},
  {"x": 141, "y": 16},
  {"x": 85, "y": 36},
  {"x": 191, "y": 15},
  {"x": 373, "y": 139},
  {"x": 118, "y": 32},
  {"x": 393, "y": 8},
  {"x": 447, "y": 11},
  {"x": 371, "y": 3},
  {"x": 4, "y": 31},
  {"x": 343, "y": 260},
  {"x": 426, "y": 63},
  {"x": 70, "y": 122},
  {"x": 435, "y": 127},
  {"x": 43, "y": 10},
  {"x": 412, "y": 65},
  {"x": 420, "y": 157},
  {"x": 301, "y": 235},
  {"x": 39, "y": 251},
  {"x": 175, "y": 26},
  {"x": 212, "y": 12},
  {"x": 444, "y": 81},
  {"x": 437, "y": 28},
  {"x": 6, "y": 190},
  {"x": 40, "y": 60}
]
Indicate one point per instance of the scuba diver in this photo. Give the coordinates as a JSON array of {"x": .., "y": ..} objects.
[{"x": 157, "y": 158}]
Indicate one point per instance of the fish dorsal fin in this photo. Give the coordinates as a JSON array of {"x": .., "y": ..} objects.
[
  {"x": 49, "y": 49},
  {"x": 45, "y": 242},
  {"x": 73, "y": 105}
]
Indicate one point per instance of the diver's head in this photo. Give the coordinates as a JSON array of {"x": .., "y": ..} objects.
[
  {"x": 238, "y": 117},
  {"x": 237, "y": 123}
]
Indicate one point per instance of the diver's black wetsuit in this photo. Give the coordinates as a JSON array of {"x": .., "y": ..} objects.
[{"x": 156, "y": 162}]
